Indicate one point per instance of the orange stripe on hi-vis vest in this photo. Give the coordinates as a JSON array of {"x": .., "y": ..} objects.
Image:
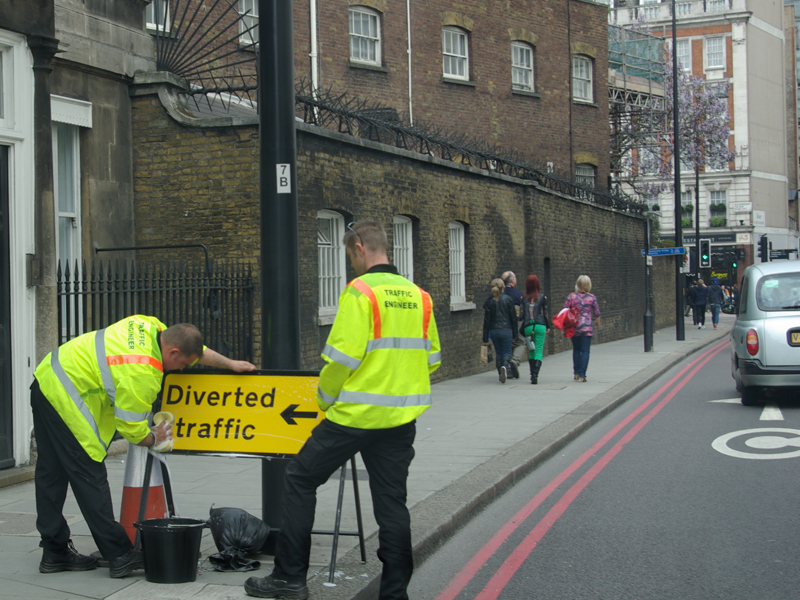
[
  {"x": 134, "y": 359},
  {"x": 362, "y": 287},
  {"x": 426, "y": 312}
]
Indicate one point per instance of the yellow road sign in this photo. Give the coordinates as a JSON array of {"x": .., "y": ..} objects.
[{"x": 241, "y": 414}]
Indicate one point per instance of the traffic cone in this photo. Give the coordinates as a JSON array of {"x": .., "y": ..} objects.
[{"x": 135, "y": 465}]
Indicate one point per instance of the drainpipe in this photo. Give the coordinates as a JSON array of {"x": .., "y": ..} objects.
[
  {"x": 312, "y": 9},
  {"x": 408, "y": 20}
]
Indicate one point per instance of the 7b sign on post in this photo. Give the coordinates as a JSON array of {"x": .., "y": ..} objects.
[{"x": 255, "y": 414}]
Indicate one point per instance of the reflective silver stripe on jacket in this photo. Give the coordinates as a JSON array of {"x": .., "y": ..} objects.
[
  {"x": 384, "y": 399},
  {"x": 130, "y": 417},
  {"x": 341, "y": 358},
  {"x": 434, "y": 358},
  {"x": 72, "y": 392},
  {"x": 102, "y": 363},
  {"x": 327, "y": 399},
  {"x": 402, "y": 343}
]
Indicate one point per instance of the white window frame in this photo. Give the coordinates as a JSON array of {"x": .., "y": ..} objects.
[
  {"x": 716, "y": 5},
  {"x": 6, "y": 88},
  {"x": 247, "y": 21},
  {"x": 403, "y": 240},
  {"x": 720, "y": 52},
  {"x": 331, "y": 267},
  {"x": 718, "y": 197},
  {"x": 522, "y": 69},
  {"x": 451, "y": 56},
  {"x": 151, "y": 16},
  {"x": 586, "y": 174},
  {"x": 458, "y": 284},
  {"x": 371, "y": 40},
  {"x": 684, "y": 58},
  {"x": 582, "y": 79},
  {"x": 67, "y": 186}
]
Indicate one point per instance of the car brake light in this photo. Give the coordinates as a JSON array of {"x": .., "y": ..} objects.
[{"x": 752, "y": 342}]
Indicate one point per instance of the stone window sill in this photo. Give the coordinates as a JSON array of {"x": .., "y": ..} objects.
[
  {"x": 459, "y": 81},
  {"x": 457, "y": 306},
  {"x": 584, "y": 103},
  {"x": 526, "y": 93},
  {"x": 368, "y": 67}
]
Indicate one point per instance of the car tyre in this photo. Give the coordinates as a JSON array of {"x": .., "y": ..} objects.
[{"x": 750, "y": 396}]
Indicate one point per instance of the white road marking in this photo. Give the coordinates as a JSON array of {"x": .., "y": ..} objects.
[
  {"x": 771, "y": 412},
  {"x": 728, "y": 401},
  {"x": 761, "y": 442}
]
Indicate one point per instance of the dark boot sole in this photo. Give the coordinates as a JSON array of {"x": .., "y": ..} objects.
[
  {"x": 58, "y": 568},
  {"x": 288, "y": 594}
]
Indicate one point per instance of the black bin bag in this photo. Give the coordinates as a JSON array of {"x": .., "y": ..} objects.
[{"x": 236, "y": 533}]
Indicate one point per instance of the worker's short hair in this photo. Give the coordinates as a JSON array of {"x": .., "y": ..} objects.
[
  {"x": 371, "y": 234},
  {"x": 185, "y": 337}
]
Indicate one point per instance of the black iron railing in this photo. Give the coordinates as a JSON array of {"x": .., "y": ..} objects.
[{"x": 219, "y": 300}]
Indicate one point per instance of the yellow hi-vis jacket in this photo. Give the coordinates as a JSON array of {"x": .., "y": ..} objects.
[
  {"x": 380, "y": 353},
  {"x": 104, "y": 381}
]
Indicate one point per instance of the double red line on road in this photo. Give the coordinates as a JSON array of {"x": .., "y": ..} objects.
[{"x": 510, "y": 566}]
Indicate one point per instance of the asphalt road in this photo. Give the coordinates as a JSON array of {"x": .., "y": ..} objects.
[{"x": 663, "y": 499}]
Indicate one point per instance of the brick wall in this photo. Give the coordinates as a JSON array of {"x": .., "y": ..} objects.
[
  {"x": 200, "y": 185},
  {"x": 547, "y": 128}
]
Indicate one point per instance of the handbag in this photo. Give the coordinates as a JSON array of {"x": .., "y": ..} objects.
[
  {"x": 529, "y": 343},
  {"x": 572, "y": 317}
]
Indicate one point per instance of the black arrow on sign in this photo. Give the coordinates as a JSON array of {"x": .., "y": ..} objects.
[{"x": 290, "y": 414}]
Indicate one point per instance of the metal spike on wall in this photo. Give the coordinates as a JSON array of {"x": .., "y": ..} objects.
[{"x": 201, "y": 42}]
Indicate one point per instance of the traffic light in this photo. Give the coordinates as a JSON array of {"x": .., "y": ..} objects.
[
  {"x": 734, "y": 262},
  {"x": 763, "y": 249},
  {"x": 705, "y": 254}
]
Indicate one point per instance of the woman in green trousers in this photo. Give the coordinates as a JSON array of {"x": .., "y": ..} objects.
[{"x": 535, "y": 323}]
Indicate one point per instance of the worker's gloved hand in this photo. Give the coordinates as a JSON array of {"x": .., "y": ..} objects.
[{"x": 162, "y": 430}]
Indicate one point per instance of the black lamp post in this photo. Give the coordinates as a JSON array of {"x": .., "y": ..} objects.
[{"x": 680, "y": 333}]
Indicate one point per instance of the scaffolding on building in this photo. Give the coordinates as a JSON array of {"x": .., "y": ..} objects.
[{"x": 638, "y": 109}]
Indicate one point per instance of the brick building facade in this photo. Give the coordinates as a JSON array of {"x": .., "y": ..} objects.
[{"x": 511, "y": 83}]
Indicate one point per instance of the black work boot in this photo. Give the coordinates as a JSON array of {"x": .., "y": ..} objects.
[
  {"x": 68, "y": 559},
  {"x": 534, "y": 374},
  {"x": 124, "y": 565},
  {"x": 269, "y": 587}
]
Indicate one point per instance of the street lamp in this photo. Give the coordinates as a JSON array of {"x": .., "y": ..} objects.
[{"x": 679, "y": 328}]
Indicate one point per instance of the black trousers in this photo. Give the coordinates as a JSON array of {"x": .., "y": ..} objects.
[
  {"x": 387, "y": 454},
  {"x": 62, "y": 461}
]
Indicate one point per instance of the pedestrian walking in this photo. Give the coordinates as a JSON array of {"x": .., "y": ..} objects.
[
  {"x": 700, "y": 301},
  {"x": 589, "y": 318},
  {"x": 715, "y": 298},
  {"x": 517, "y": 345},
  {"x": 500, "y": 325},
  {"x": 85, "y": 390},
  {"x": 535, "y": 323},
  {"x": 379, "y": 355},
  {"x": 690, "y": 303}
]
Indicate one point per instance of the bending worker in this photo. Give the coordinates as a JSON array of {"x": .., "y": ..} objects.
[
  {"x": 380, "y": 353},
  {"x": 98, "y": 383}
]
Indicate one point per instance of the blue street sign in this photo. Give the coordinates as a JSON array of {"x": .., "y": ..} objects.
[{"x": 664, "y": 251}]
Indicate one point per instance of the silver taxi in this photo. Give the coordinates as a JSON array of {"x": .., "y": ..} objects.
[{"x": 765, "y": 349}]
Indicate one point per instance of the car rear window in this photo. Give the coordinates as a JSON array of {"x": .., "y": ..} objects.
[{"x": 779, "y": 292}]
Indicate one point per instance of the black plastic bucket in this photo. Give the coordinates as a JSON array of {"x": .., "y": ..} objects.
[{"x": 170, "y": 548}]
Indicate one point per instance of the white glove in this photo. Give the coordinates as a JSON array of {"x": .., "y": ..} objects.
[{"x": 162, "y": 431}]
